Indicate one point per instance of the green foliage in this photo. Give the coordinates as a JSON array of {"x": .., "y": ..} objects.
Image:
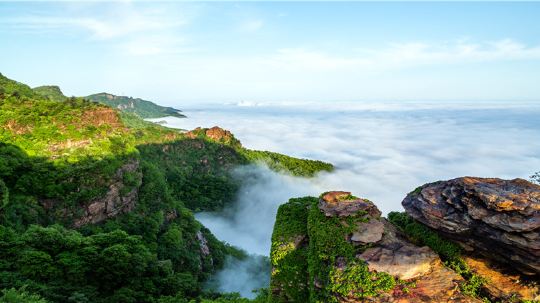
[
  {"x": 11, "y": 87},
  {"x": 60, "y": 159},
  {"x": 283, "y": 163},
  {"x": 449, "y": 252},
  {"x": 50, "y": 92},
  {"x": 328, "y": 247},
  {"x": 288, "y": 254},
  {"x": 422, "y": 235},
  {"x": 142, "y": 108},
  {"x": 71, "y": 130},
  {"x": 355, "y": 280},
  {"x": 197, "y": 171},
  {"x": 60, "y": 264},
  {"x": 4, "y": 194},
  {"x": 13, "y": 295}
]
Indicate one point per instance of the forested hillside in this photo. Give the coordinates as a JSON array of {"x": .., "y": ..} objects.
[
  {"x": 96, "y": 205},
  {"x": 142, "y": 108}
]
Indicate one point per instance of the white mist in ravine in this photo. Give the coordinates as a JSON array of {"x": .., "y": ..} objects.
[{"x": 381, "y": 151}]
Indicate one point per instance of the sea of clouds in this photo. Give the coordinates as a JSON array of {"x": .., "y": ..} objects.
[{"x": 381, "y": 151}]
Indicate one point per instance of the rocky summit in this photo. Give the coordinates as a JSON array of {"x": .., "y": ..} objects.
[
  {"x": 497, "y": 218},
  {"x": 338, "y": 248}
]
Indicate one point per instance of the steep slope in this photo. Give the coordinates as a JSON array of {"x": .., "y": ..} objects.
[
  {"x": 338, "y": 248},
  {"x": 10, "y": 87},
  {"x": 96, "y": 209},
  {"x": 142, "y": 108},
  {"x": 51, "y": 92}
]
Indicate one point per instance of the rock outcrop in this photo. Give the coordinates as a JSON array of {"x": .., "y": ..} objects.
[
  {"x": 216, "y": 134},
  {"x": 339, "y": 249},
  {"x": 343, "y": 204},
  {"x": 495, "y": 217},
  {"x": 501, "y": 284},
  {"x": 116, "y": 201}
]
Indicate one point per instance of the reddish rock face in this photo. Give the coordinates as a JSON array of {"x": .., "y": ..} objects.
[
  {"x": 342, "y": 204},
  {"x": 502, "y": 284},
  {"x": 215, "y": 133},
  {"x": 499, "y": 218},
  {"x": 101, "y": 116},
  {"x": 384, "y": 249}
]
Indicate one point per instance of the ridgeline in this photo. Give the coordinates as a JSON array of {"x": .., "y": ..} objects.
[{"x": 96, "y": 204}]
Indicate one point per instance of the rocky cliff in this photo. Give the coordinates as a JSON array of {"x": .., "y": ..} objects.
[
  {"x": 338, "y": 248},
  {"x": 498, "y": 218}
]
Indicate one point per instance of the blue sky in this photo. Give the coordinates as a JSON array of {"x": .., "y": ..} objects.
[{"x": 188, "y": 52}]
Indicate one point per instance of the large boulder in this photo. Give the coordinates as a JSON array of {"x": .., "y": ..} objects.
[
  {"x": 382, "y": 248},
  {"x": 498, "y": 218},
  {"x": 343, "y": 204}
]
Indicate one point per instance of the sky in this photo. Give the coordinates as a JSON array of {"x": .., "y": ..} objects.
[{"x": 178, "y": 53}]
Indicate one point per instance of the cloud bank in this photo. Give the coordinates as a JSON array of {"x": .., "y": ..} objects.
[{"x": 381, "y": 152}]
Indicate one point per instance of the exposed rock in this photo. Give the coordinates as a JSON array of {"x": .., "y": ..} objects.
[
  {"x": 215, "y": 133},
  {"x": 441, "y": 285},
  {"x": 406, "y": 262},
  {"x": 501, "y": 283},
  {"x": 113, "y": 203},
  {"x": 499, "y": 218},
  {"x": 16, "y": 128},
  {"x": 385, "y": 249},
  {"x": 368, "y": 232},
  {"x": 394, "y": 255},
  {"x": 101, "y": 116},
  {"x": 203, "y": 243},
  {"x": 342, "y": 204}
]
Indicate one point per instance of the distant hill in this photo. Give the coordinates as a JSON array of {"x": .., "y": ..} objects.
[
  {"x": 8, "y": 86},
  {"x": 96, "y": 204},
  {"x": 142, "y": 108},
  {"x": 51, "y": 92}
]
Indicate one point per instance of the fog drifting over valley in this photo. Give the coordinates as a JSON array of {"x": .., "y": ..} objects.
[{"x": 381, "y": 151}]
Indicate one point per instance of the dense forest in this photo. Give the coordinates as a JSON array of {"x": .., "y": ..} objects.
[{"x": 96, "y": 205}]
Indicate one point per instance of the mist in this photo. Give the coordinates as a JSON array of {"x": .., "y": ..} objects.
[{"x": 380, "y": 151}]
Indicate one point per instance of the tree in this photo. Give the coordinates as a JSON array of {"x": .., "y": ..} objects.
[{"x": 19, "y": 296}]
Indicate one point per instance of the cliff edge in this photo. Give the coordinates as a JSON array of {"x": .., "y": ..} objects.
[{"x": 338, "y": 247}]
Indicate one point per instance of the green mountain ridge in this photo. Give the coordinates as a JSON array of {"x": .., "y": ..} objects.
[
  {"x": 96, "y": 204},
  {"x": 142, "y": 108},
  {"x": 51, "y": 92}
]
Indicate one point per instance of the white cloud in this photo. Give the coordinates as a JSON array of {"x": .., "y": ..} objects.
[
  {"x": 123, "y": 25},
  {"x": 381, "y": 152},
  {"x": 401, "y": 55},
  {"x": 117, "y": 25}
]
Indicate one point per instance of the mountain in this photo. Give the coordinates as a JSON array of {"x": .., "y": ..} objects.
[
  {"x": 50, "y": 92},
  {"x": 96, "y": 205},
  {"x": 142, "y": 108},
  {"x": 8, "y": 86},
  {"x": 464, "y": 240}
]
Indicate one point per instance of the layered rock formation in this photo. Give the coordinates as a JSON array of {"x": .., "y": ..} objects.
[
  {"x": 339, "y": 249},
  {"x": 498, "y": 218}
]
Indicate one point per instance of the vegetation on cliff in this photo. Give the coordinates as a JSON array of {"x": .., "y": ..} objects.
[
  {"x": 96, "y": 204},
  {"x": 289, "y": 252},
  {"x": 312, "y": 261},
  {"x": 142, "y": 108},
  {"x": 329, "y": 250},
  {"x": 50, "y": 92},
  {"x": 449, "y": 252}
]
